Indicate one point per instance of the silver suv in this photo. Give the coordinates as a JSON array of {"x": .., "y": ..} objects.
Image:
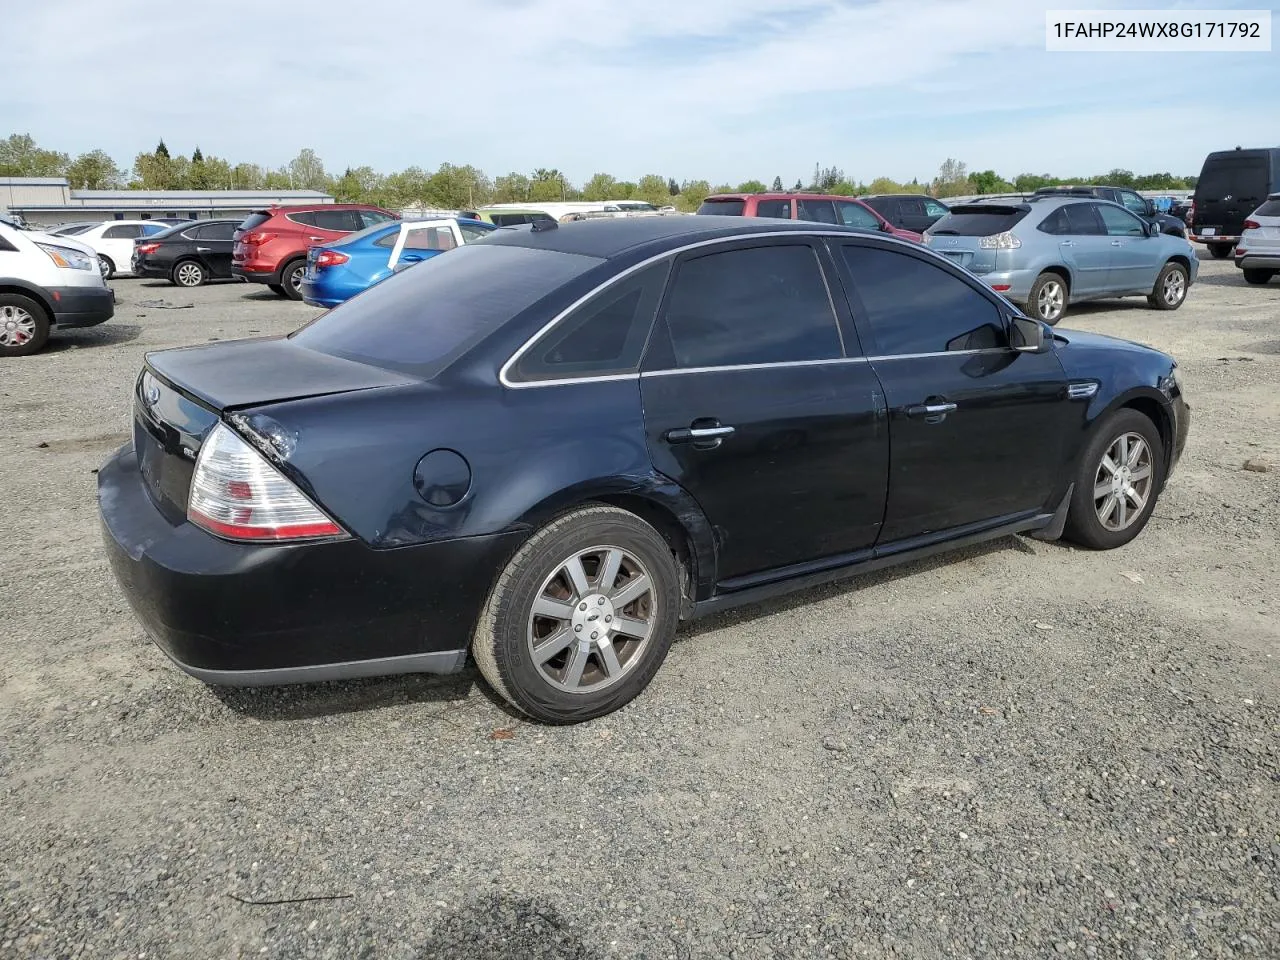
[{"x": 1043, "y": 252}]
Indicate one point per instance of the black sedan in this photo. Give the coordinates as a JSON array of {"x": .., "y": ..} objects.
[
  {"x": 549, "y": 447},
  {"x": 188, "y": 255}
]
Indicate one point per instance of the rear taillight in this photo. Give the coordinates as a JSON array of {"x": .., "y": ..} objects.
[
  {"x": 146, "y": 247},
  {"x": 331, "y": 258},
  {"x": 256, "y": 238},
  {"x": 1252, "y": 225},
  {"x": 1001, "y": 241},
  {"x": 237, "y": 494}
]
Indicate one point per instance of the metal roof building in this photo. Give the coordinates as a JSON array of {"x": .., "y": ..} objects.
[{"x": 43, "y": 201}]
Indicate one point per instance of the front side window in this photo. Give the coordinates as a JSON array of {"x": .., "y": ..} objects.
[
  {"x": 471, "y": 232},
  {"x": 819, "y": 211},
  {"x": 913, "y": 306},
  {"x": 776, "y": 209},
  {"x": 1121, "y": 223},
  {"x": 856, "y": 215},
  {"x": 604, "y": 336},
  {"x": 755, "y": 305},
  {"x": 1133, "y": 202}
]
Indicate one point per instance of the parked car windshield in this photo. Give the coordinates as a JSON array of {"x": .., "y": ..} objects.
[
  {"x": 978, "y": 220},
  {"x": 422, "y": 319},
  {"x": 724, "y": 208}
]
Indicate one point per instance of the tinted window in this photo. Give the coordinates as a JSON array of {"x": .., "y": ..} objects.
[
  {"x": 820, "y": 211},
  {"x": 124, "y": 231},
  {"x": 1133, "y": 202},
  {"x": 471, "y": 232},
  {"x": 1121, "y": 223},
  {"x": 421, "y": 319},
  {"x": 777, "y": 209},
  {"x": 216, "y": 231},
  {"x": 604, "y": 336},
  {"x": 372, "y": 217},
  {"x": 911, "y": 207},
  {"x": 856, "y": 215},
  {"x": 1055, "y": 223},
  {"x": 304, "y": 217},
  {"x": 1269, "y": 209},
  {"x": 914, "y": 306},
  {"x": 151, "y": 229},
  {"x": 1234, "y": 176},
  {"x": 1083, "y": 220},
  {"x": 757, "y": 305},
  {"x": 73, "y": 230},
  {"x": 934, "y": 209},
  {"x": 978, "y": 220},
  {"x": 253, "y": 220},
  {"x": 723, "y": 208},
  {"x": 345, "y": 221}
]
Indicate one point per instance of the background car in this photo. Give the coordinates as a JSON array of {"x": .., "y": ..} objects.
[
  {"x": 112, "y": 241},
  {"x": 270, "y": 246},
  {"x": 549, "y": 447},
  {"x": 910, "y": 211},
  {"x": 47, "y": 282},
  {"x": 1049, "y": 250},
  {"x": 1258, "y": 252},
  {"x": 1131, "y": 200},
  {"x": 1231, "y": 185},
  {"x": 187, "y": 255},
  {"x": 338, "y": 271},
  {"x": 816, "y": 207}
]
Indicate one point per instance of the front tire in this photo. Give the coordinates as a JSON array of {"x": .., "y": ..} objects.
[
  {"x": 24, "y": 326},
  {"x": 188, "y": 273},
  {"x": 1220, "y": 251},
  {"x": 1048, "y": 298},
  {"x": 1117, "y": 482},
  {"x": 1170, "y": 290},
  {"x": 581, "y": 618},
  {"x": 1258, "y": 277},
  {"x": 106, "y": 267},
  {"x": 291, "y": 278}
]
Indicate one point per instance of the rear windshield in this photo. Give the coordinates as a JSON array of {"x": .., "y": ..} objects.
[
  {"x": 73, "y": 230},
  {"x": 422, "y": 319},
  {"x": 1226, "y": 176},
  {"x": 978, "y": 221},
  {"x": 254, "y": 220},
  {"x": 723, "y": 208},
  {"x": 1269, "y": 209}
]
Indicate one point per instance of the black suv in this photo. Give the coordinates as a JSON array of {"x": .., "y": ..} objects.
[
  {"x": 911, "y": 211},
  {"x": 1130, "y": 199},
  {"x": 1232, "y": 184}
]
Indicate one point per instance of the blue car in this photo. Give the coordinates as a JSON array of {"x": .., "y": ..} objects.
[{"x": 338, "y": 271}]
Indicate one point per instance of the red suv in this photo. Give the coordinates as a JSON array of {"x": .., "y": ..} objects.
[
  {"x": 819, "y": 207},
  {"x": 271, "y": 245}
]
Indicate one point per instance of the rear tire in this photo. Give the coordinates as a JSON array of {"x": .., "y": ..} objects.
[
  {"x": 1258, "y": 277},
  {"x": 1048, "y": 298},
  {"x": 106, "y": 267},
  {"x": 277, "y": 289},
  {"x": 1123, "y": 493},
  {"x": 188, "y": 273},
  {"x": 291, "y": 278},
  {"x": 1221, "y": 251},
  {"x": 1170, "y": 290},
  {"x": 24, "y": 325},
  {"x": 581, "y": 618}
]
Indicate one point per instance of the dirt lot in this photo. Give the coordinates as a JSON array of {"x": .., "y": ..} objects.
[{"x": 1021, "y": 750}]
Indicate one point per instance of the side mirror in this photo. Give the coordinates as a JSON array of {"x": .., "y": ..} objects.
[
  {"x": 1153, "y": 229},
  {"x": 1027, "y": 335},
  {"x": 886, "y": 226},
  {"x": 1151, "y": 207}
]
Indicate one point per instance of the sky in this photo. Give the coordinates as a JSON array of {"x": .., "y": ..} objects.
[{"x": 723, "y": 90}]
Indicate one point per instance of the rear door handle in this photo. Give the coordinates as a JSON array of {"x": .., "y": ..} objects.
[
  {"x": 316, "y": 239},
  {"x": 698, "y": 434},
  {"x": 1116, "y": 243},
  {"x": 932, "y": 412},
  {"x": 1068, "y": 243},
  {"x": 202, "y": 249}
]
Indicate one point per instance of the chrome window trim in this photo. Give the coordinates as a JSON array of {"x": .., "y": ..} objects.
[{"x": 504, "y": 372}]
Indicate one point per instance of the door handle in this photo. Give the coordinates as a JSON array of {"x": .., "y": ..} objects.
[
  {"x": 202, "y": 249},
  {"x": 316, "y": 239},
  {"x": 1117, "y": 243},
  {"x": 698, "y": 434},
  {"x": 1068, "y": 243},
  {"x": 934, "y": 412}
]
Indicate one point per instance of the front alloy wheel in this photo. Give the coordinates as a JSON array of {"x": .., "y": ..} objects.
[
  {"x": 1122, "y": 484},
  {"x": 1117, "y": 481}
]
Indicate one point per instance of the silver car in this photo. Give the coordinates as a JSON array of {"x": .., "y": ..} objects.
[
  {"x": 1258, "y": 252},
  {"x": 1044, "y": 252}
]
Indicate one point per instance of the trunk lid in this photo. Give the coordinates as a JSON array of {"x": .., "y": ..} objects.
[
  {"x": 182, "y": 394},
  {"x": 959, "y": 235}
]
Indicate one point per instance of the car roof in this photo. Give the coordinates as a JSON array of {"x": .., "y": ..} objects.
[
  {"x": 900, "y": 196},
  {"x": 774, "y": 195},
  {"x": 611, "y": 237}
]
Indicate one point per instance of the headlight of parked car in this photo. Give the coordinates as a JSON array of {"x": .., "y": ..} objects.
[{"x": 68, "y": 258}]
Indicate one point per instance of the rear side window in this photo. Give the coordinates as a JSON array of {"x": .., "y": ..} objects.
[
  {"x": 856, "y": 215},
  {"x": 723, "y": 208},
  {"x": 913, "y": 306},
  {"x": 776, "y": 209},
  {"x": 253, "y": 220},
  {"x": 420, "y": 320},
  {"x": 305, "y": 217},
  {"x": 604, "y": 336},
  {"x": 819, "y": 211},
  {"x": 216, "y": 231},
  {"x": 978, "y": 220},
  {"x": 371, "y": 218},
  {"x": 934, "y": 209},
  {"x": 1269, "y": 209},
  {"x": 429, "y": 238},
  {"x": 754, "y": 305},
  {"x": 125, "y": 231},
  {"x": 339, "y": 221}
]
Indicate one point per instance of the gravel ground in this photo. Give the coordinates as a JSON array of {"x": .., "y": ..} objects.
[{"x": 1018, "y": 750}]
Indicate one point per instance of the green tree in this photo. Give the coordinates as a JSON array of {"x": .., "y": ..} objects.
[
  {"x": 799, "y": 187},
  {"x": 601, "y": 186},
  {"x": 751, "y": 186},
  {"x": 21, "y": 157},
  {"x": 548, "y": 185},
  {"x": 512, "y": 188},
  {"x": 247, "y": 176},
  {"x": 159, "y": 171},
  {"x": 94, "y": 171},
  {"x": 1118, "y": 178},
  {"x": 777, "y": 185},
  {"x": 1029, "y": 182},
  {"x": 306, "y": 171},
  {"x": 692, "y": 193},
  {"x": 652, "y": 188},
  {"x": 952, "y": 180},
  {"x": 456, "y": 188},
  {"x": 162, "y": 150},
  {"x": 885, "y": 185},
  {"x": 673, "y": 188},
  {"x": 988, "y": 181}
]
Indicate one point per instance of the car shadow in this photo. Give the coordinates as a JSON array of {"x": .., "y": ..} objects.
[
  {"x": 103, "y": 335},
  {"x": 849, "y": 587},
  {"x": 309, "y": 701},
  {"x": 1233, "y": 279},
  {"x": 269, "y": 295}
]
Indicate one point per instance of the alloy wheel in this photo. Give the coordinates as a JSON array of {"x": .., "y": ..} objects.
[
  {"x": 1122, "y": 484},
  {"x": 295, "y": 277},
  {"x": 190, "y": 275},
  {"x": 1175, "y": 287},
  {"x": 1050, "y": 301},
  {"x": 17, "y": 326},
  {"x": 592, "y": 619}
]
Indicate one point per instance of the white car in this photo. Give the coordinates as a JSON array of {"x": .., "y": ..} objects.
[
  {"x": 47, "y": 282},
  {"x": 1258, "y": 250},
  {"x": 112, "y": 240}
]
